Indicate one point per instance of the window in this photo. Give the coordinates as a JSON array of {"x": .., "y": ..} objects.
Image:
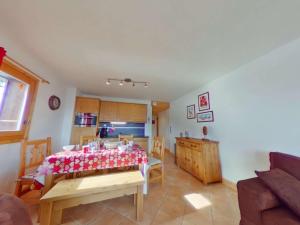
[{"x": 17, "y": 94}]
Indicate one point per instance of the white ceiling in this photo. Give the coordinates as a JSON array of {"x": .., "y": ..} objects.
[{"x": 176, "y": 45}]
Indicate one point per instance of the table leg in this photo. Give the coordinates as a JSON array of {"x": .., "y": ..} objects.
[
  {"x": 139, "y": 203},
  {"x": 48, "y": 183},
  {"x": 46, "y": 213},
  {"x": 56, "y": 217}
]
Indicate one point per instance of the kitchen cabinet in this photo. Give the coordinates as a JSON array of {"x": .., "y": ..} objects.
[
  {"x": 200, "y": 158},
  {"x": 87, "y": 105},
  {"x": 84, "y": 105},
  {"x": 108, "y": 111},
  {"x": 123, "y": 112}
]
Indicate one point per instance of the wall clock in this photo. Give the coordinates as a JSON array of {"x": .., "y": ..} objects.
[{"x": 54, "y": 102}]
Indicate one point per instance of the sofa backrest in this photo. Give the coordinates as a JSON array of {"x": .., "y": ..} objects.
[{"x": 285, "y": 162}]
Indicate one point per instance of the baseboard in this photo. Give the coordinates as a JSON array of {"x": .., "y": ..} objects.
[
  {"x": 229, "y": 184},
  {"x": 168, "y": 151}
]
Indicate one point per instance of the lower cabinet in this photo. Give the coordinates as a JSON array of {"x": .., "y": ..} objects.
[{"x": 200, "y": 158}]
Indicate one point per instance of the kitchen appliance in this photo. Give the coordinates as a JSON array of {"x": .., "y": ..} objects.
[{"x": 85, "y": 120}]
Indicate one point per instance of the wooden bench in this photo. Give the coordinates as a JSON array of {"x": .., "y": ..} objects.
[{"x": 74, "y": 192}]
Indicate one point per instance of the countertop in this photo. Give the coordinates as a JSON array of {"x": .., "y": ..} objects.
[{"x": 133, "y": 137}]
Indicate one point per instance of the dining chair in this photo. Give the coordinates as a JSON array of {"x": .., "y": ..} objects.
[
  {"x": 29, "y": 185},
  {"x": 125, "y": 138},
  {"x": 86, "y": 139},
  {"x": 155, "y": 170}
]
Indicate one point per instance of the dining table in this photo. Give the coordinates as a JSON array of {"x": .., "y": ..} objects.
[{"x": 68, "y": 162}]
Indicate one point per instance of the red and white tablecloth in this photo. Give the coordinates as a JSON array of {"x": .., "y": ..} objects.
[{"x": 78, "y": 161}]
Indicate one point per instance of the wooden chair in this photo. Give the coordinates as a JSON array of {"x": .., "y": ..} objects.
[
  {"x": 86, "y": 139},
  {"x": 155, "y": 161},
  {"x": 33, "y": 154},
  {"x": 125, "y": 138}
]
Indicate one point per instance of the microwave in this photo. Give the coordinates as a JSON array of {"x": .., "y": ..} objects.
[{"x": 85, "y": 120}]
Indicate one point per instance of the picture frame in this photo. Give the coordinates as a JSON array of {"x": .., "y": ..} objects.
[
  {"x": 205, "y": 117},
  {"x": 191, "y": 112},
  {"x": 204, "y": 102}
]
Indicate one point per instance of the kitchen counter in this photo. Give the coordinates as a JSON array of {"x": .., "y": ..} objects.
[{"x": 113, "y": 137}]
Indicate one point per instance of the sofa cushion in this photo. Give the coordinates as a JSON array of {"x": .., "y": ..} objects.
[
  {"x": 280, "y": 216},
  {"x": 285, "y": 162},
  {"x": 253, "y": 191},
  {"x": 284, "y": 185}
]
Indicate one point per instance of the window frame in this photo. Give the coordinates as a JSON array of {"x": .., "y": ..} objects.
[{"x": 21, "y": 74}]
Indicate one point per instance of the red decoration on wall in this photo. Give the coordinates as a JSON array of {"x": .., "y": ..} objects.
[{"x": 2, "y": 54}]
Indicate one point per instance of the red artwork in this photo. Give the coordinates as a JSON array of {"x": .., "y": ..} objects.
[
  {"x": 2, "y": 54},
  {"x": 203, "y": 102}
]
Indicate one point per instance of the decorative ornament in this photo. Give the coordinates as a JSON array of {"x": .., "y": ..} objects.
[
  {"x": 54, "y": 102},
  {"x": 205, "y": 132}
]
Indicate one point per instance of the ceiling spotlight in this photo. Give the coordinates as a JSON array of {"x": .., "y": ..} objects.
[
  {"x": 146, "y": 85},
  {"x": 108, "y": 82},
  {"x": 121, "y": 83}
]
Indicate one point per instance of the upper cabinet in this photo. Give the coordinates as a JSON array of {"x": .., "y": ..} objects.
[
  {"x": 87, "y": 105},
  {"x": 123, "y": 112},
  {"x": 108, "y": 111}
]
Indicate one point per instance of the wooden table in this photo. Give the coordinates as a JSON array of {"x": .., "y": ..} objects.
[{"x": 74, "y": 192}]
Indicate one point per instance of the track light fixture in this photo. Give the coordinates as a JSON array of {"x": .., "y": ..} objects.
[{"x": 127, "y": 80}]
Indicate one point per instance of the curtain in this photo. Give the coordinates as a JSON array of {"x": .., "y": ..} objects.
[{"x": 2, "y": 54}]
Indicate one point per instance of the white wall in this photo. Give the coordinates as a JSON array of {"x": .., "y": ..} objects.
[
  {"x": 256, "y": 110},
  {"x": 164, "y": 126},
  {"x": 45, "y": 122}
]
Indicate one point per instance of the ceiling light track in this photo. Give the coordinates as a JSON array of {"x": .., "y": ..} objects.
[{"x": 127, "y": 81}]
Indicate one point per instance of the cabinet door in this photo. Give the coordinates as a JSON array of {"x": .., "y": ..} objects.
[
  {"x": 180, "y": 154},
  {"x": 87, "y": 105},
  {"x": 108, "y": 112},
  {"x": 188, "y": 159},
  {"x": 138, "y": 113},
  {"x": 123, "y": 112},
  {"x": 128, "y": 112},
  {"x": 81, "y": 131},
  {"x": 197, "y": 162}
]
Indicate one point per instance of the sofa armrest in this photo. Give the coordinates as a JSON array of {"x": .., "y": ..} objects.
[{"x": 254, "y": 197}]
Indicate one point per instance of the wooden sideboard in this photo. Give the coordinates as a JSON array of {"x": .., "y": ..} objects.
[{"x": 200, "y": 158}]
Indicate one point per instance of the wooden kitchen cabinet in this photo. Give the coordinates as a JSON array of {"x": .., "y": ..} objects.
[
  {"x": 200, "y": 158},
  {"x": 84, "y": 105},
  {"x": 123, "y": 112},
  {"x": 108, "y": 111},
  {"x": 87, "y": 105},
  {"x": 138, "y": 113}
]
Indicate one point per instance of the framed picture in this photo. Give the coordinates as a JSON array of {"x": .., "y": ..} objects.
[
  {"x": 191, "y": 112},
  {"x": 205, "y": 117},
  {"x": 203, "y": 102}
]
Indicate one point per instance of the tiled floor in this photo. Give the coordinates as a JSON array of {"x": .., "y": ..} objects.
[{"x": 182, "y": 201}]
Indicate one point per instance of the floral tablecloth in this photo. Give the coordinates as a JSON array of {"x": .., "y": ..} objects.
[{"x": 78, "y": 161}]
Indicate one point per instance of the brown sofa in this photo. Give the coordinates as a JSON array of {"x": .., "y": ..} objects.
[
  {"x": 13, "y": 211},
  {"x": 258, "y": 205}
]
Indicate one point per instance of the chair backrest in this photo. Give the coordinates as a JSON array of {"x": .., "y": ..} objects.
[
  {"x": 33, "y": 154},
  {"x": 125, "y": 138},
  {"x": 158, "y": 148},
  {"x": 86, "y": 139}
]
